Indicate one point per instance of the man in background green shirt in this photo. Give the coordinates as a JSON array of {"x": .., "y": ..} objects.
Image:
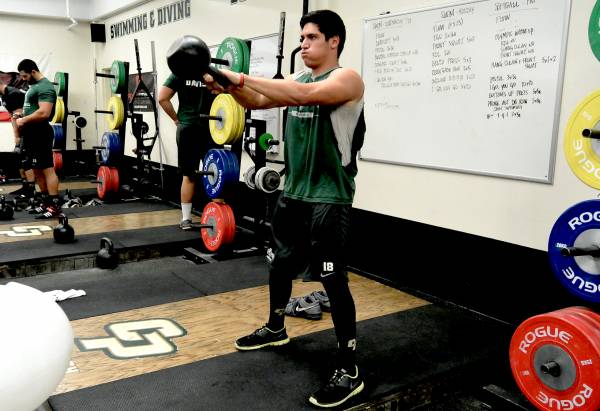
[
  {"x": 193, "y": 137},
  {"x": 38, "y": 136}
]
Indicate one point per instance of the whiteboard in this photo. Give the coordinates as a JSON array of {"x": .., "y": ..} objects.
[{"x": 473, "y": 87}]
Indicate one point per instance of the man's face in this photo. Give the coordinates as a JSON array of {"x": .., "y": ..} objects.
[
  {"x": 314, "y": 46},
  {"x": 27, "y": 77}
]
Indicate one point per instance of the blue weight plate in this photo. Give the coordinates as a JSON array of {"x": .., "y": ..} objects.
[
  {"x": 578, "y": 226},
  {"x": 59, "y": 136},
  {"x": 115, "y": 146},
  {"x": 233, "y": 167},
  {"x": 104, "y": 153},
  {"x": 214, "y": 161}
]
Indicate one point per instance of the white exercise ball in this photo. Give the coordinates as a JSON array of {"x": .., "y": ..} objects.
[{"x": 36, "y": 340}]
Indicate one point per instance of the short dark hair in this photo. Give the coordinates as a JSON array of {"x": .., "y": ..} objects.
[
  {"x": 27, "y": 66},
  {"x": 330, "y": 24}
]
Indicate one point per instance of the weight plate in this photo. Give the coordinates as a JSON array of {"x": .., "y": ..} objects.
[
  {"x": 594, "y": 30},
  {"x": 58, "y": 160},
  {"x": 117, "y": 82},
  {"x": 115, "y": 183},
  {"x": 578, "y": 226},
  {"x": 59, "y": 137},
  {"x": 249, "y": 177},
  {"x": 215, "y": 162},
  {"x": 59, "y": 111},
  {"x": 213, "y": 238},
  {"x": 263, "y": 141},
  {"x": 233, "y": 169},
  {"x": 104, "y": 180},
  {"x": 241, "y": 121},
  {"x": 111, "y": 151},
  {"x": 582, "y": 153},
  {"x": 114, "y": 120},
  {"x": 222, "y": 131},
  {"x": 231, "y": 50},
  {"x": 554, "y": 359},
  {"x": 60, "y": 83},
  {"x": 246, "y": 51},
  {"x": 229, "y": 234}
]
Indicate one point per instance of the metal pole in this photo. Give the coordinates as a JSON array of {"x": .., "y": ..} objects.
[{"x": 160, "y": 144}]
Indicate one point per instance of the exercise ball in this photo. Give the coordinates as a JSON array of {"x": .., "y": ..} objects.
[{"x": 35, "y": 346}]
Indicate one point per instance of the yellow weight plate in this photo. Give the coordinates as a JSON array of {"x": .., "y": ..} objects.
[
  {"x": 59, "y": 111},
  {"x": 236, "y": 113},
  {"x": 582, "y": 153},
  {"x": 221, "y": 131},
  {"x": 233, "y": 119},
  {"x": 114, "y": 120},
  {"x": 241, "y": 120}
]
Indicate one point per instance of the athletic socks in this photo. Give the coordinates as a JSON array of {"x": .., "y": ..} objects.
[{"x": 186, "y": 211}]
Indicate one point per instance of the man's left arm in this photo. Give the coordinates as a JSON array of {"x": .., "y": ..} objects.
[
  {"x": 40, "y": 115},
  {"x": 342, "y": 86}
]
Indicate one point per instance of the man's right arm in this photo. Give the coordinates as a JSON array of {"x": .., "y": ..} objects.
[{"x": 165, "y": 94}]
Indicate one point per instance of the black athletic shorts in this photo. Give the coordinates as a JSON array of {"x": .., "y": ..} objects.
[
  {"x": 309, "y": 237},
  {"x": 193, "y": 141},
  {"x": 37, "y": 139}
]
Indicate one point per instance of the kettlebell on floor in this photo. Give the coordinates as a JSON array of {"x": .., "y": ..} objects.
[{"x": 107, "y": 257}]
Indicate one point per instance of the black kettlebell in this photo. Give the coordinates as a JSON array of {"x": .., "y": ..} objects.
[
  {"x": 63, "y": 232},
  {"x": 6, "y": 211},
  {"x": 107, "y": 256}
]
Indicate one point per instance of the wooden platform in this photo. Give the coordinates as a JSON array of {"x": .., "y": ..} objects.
[{"x": 209, "y": 327}]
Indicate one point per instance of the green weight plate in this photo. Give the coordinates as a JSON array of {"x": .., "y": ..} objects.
[
  {"x": 594, "y": 30},
  {"x": 61, "y": 83},
  {"x": 232, "y": 51},
  {"x": 246, "y": 51},
  {"x": 263, "y": 141},
  {"x": 117, "y": 70}
]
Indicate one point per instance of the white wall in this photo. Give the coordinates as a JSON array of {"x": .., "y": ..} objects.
[{"x": 66, "y": 51}]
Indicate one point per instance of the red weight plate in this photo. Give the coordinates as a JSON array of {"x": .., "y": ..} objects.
[
  {"x": 58, "y": 160},
  {"x": 213, "y": 238},
  {"x": 554, "y": 359},
  {"x": 230, "y": 233},
  {"x": 114, "y": 172},
  {"x": 592, "y": 315},
  {"x": 104, "y": 181}
]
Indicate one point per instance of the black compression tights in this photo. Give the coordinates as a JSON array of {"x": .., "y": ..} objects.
[{"x": 343, "y": 312}]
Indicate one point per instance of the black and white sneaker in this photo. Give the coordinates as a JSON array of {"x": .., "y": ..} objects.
[
  {"x": 49, "y": 212},
  {"x": 305, "y": 307},
  {"x": 261, "y": 338},
  {"x": 36, "y": 210},
  {"x": 339, "y": 389}
]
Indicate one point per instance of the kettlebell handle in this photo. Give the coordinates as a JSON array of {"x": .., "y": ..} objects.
[
  {"x": 107, "y": 243},
  {"x": 62, "y": 219}
]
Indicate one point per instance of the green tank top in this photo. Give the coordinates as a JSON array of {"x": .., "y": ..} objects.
[
  {"x": 42, "y": 91},
  {"x": 314, "y": 171}
]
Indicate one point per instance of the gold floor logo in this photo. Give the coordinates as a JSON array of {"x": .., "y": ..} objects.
[
  {"x": 26, "y": 231},
  {"x": 134, "y": 339}
]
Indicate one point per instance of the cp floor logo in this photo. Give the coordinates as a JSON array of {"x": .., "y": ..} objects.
[
  {"x": 133, "y": 339},
  {"x": 26, "y": 231}
]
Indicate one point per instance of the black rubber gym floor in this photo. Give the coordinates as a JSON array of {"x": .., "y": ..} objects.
[{"x": 407, "y": 352}]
